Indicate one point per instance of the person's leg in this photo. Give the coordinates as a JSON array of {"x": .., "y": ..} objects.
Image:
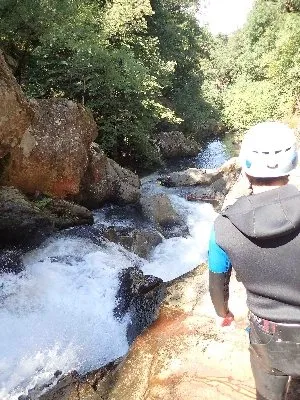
[{"x": 268, "y": 386}]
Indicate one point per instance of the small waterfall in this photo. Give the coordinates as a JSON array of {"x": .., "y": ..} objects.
[{"x": 57, "y": 314}]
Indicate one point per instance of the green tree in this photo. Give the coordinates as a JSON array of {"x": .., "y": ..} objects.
[
  {"x": 135, "y": 63},
  {"x": 258, "y": 67}
]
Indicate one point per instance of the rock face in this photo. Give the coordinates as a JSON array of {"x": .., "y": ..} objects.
[
  {"x": 52, "y": 156},
  {"x": 15, "y": 112},
  {"x": 106, "y": 180},
  {"x": 175, "y": 144},
  {"x": 182, "y": 355}
]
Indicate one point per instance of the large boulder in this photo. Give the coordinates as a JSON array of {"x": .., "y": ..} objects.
[
  {"x": 227, "y": 184},
  {"x": 175, "y": 144},
  {"x": 159, "y": 209},
  {"x": 25, "y": 223},
  {"x": 191, "y": 177},
  {"x": 15, "y": 112},
  {"x": 52, "y": 156},
  {"x": 105, "y": 180},
  {"x": 64, "y": 214},
  {"x": 138, "y": 241},
  {"x": 21, "y": 223}
]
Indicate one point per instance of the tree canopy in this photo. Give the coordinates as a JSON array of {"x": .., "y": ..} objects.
[
  {"x": 256, "y": 71},
  {"x": 135, "y": 63}
]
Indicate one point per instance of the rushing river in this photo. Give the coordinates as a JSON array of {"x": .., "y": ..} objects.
[{"x": 58, "y": 313}]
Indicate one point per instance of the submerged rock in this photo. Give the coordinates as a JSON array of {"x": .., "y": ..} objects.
[
  {"x": 159, "y": 209},
  {"x": 11, "y": 260}
]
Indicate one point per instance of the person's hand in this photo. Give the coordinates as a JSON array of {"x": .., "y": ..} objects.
[{"x": 225, "y": 321}]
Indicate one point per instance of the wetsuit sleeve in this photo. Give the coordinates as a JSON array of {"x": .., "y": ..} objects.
[{"x": 219, "y": 276}]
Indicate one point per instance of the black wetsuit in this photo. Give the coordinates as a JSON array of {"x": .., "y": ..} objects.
[{"x": 259, "y": 236}]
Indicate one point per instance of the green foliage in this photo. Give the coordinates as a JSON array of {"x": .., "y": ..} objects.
[
  {"x": 256, "y": 71},
  {"x": 135, "y": 63},
  {"x": 249, "y": 102},
  {"x": 43, "y": 203}
]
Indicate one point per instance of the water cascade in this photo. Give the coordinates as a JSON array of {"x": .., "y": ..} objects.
[{"x": 57, "y": 314}]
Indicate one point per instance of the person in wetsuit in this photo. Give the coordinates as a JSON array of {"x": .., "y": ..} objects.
[{"x": 259, "y": 237}]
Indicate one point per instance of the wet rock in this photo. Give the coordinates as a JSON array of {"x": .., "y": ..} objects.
[
  {"x": 94, "y": 385},
  {"x": 140, "y": 295},
  {"x": 175, "y": 144},
  {"x": 105, "y": 180},
  {"x": 191, "y": 177},
  {"x": 11, "y": 260},
  {"x": 93, "y": 233},
  {"x": 133, "y": 283},
  {"x": 144, "y": 307},
  {"x": 21, "y": 223},
  {"x": 26, "y": 224},
  {"x": 15, "y": 111},
  {"x": 138, "y": 241},
  {"x": 52, "y": 156},
  {"x": 159, "y": 209},
  {"x": 64, "y": 214},
  {"x": 225, "y": 189},
  {"x": 35, "y": 393}
]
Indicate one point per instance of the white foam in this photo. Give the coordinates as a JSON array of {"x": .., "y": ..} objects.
[
  {"x": 58, "y": 314},
  {"x": 175, "y": 256}
]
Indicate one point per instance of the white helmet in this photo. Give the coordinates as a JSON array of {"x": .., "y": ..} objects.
[{"x": 268, "y": 150}]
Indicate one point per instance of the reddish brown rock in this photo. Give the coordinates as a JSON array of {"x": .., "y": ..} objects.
[
  {"x": 15, "y": 112},
  {"x": 52, "y": 156}
]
